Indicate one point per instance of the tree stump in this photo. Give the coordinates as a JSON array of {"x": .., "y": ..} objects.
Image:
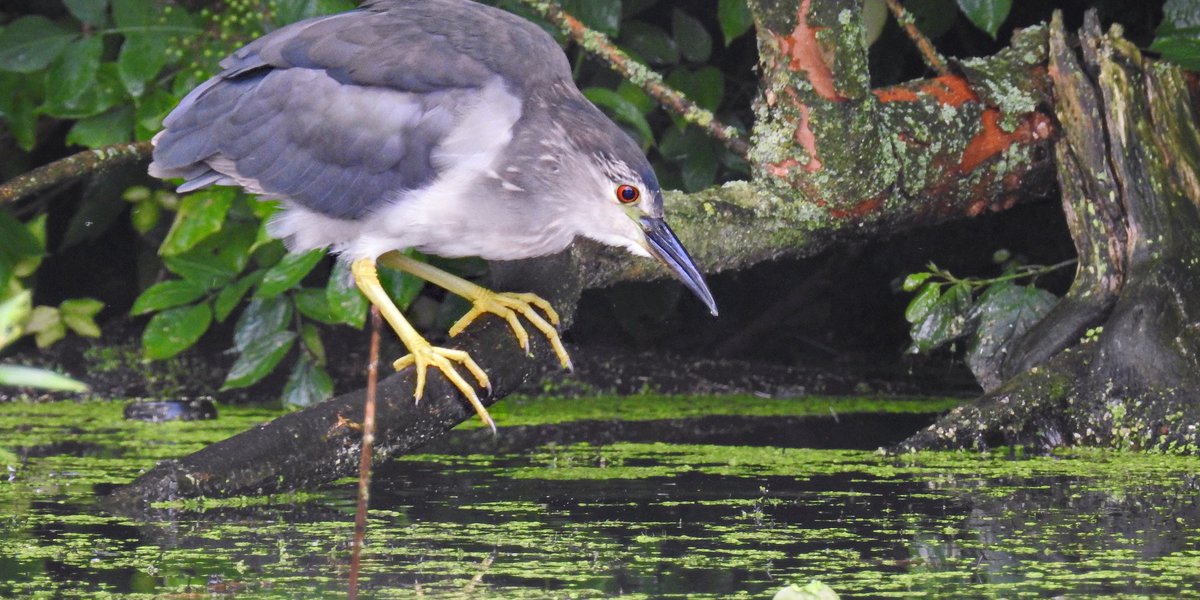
[{"x": 1115, "y": 362}]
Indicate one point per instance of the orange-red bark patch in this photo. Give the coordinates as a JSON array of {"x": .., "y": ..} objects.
[
  {"x": 860, "y": 210},
  {"x": 992, "y": 140},
  {"x": 950, "y": 89},
  {"x": 947, "y": 89},
  {"x": 807, "y": 140},
  {"x": 896, "y": 94},
  {"x": 804, "y": 53},
  {"x": 780, "y": 169}
]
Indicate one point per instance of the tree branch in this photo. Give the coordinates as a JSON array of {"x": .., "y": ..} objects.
[{"x": 76, "y": 165}]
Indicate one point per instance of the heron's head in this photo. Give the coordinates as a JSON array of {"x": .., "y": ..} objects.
[{"x": 624, "y": 207}]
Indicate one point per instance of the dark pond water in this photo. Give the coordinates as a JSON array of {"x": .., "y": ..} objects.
[{"x": 555, "y": 508}]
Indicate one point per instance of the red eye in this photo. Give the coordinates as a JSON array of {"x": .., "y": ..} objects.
[{"x": 627, "y": 194}]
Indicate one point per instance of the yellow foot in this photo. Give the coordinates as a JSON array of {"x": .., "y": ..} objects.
[
  {"x": 425, "y": 355},
  {"x": 507, "y": 305}
]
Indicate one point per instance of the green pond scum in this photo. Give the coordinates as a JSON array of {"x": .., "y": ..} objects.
[{"x": 751, "y": 517}]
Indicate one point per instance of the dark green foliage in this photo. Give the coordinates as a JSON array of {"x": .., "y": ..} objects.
[
  {"x": 1178, "y": 36},
  {"x": 68, "y": 69},
  {"x": 1004, "y": 312},
  {"x": 994, "y": 312},
  {"x": 175, "y": 329}
]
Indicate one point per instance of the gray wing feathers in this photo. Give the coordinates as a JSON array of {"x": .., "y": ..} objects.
[{"x": 342, "y": 113}]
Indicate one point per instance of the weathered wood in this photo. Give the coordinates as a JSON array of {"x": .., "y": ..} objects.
[{"x": 1129, "y": 165}]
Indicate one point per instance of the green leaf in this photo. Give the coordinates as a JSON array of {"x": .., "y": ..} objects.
[
  {"x": 201, "y": 268},
  {"x": 1004, "y": 312},
  {"x": 17, "y": 376},
  {"x": 16, "y": 241},
  {"x": 91, "y": 12},
  {"x": 75, "y": 70},
  {"x": 735, "y": 19},
  {"x": 200, "y": 215},
  {"x": 31, "y": 43},
  {"x": 602, "y": 15},
  {"x": 14, "y": 312},
  {"x": 46, "y": 323},
  {"x": 142, "y": 56},
  {"x": 105, "y": 94},
  {"x": 258, "y": 358},
  {"x": 112, "y": 127},
  {"x": 1180, "y": 46},
  {"x": 875, "y": 17},
  {"x": 262, "y": 318},
  {"x": 705, "y": 86},
  {"x": 174, "y": 330},
  {"x": 699, "y": 171},
  {"x": 218, "y": 259},
  {"x": 696, "y": 153},
  {"x": 307, "y": 385},
  {"x": 314, "y": 304},
  {"x": 933, "y": 17},
  {"x": 166, "y": 294},
  {"x": 17, "y": 106},
  {"x": 987, "y": 15},
  {"x": 945, "y": 321},
  {"x": 914, "y": 281},
  {"x": 632, "y": 93},
  {"x": 79, "y": 314},
  {"x": 401, "y": 287},
  {"x": 144, "y": 216},
  {"x": 650, "y": 43},
  {"x": 346, "y": 302},
  {"x": 151, "y": 110},
  {"x": 133, "y": 14},
  {"x": 6, "y": 269},
  {"x": 287, "y": 273},
  {"x": 693, "y": 40},
  {"x": 311, "y": 337},
  {"x": 27, "y": 265},
  {"x": 623, "y": 110},
  {"x": 922, "y": 303},
  {"x": 233, "y": 293}
]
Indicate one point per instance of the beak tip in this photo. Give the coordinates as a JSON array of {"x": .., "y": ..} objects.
[{"x": 664, "y": 245}]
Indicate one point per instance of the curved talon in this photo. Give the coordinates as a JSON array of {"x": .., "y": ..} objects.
[
  {"x": 507, "y": 305},
  {"x": 444, "y": 359}
]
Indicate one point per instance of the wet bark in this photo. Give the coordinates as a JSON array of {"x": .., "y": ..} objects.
[{"x": 1129, "y": 167}]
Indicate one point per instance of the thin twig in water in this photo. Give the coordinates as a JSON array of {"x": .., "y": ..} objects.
[
  {"x": 931, "y": 56},
  {"x": 364, "y": 460},
  {"x": 651, "y": 82},
  {"x": 483, "y": 567}
]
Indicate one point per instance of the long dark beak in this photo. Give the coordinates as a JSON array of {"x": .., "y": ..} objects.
[{"x": 666, "y": 248}]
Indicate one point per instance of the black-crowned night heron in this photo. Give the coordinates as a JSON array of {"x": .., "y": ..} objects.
[{"x": 442, "y": 125}]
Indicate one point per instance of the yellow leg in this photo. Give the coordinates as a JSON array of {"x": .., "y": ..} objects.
[
  {"x": 422, "y": 354},
  {"x": 506, "y": 305}
]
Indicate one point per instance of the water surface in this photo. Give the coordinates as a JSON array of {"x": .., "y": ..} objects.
[{"x": 729, "y": 502}]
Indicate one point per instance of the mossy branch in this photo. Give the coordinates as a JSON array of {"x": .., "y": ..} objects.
[{"x": 71, "y": 167}]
